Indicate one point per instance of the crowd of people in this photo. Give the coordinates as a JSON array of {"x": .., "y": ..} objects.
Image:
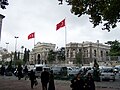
[
  {"x": 82, "y": 83},
  {"x": 79, "y": 82},
  {"x": 47, "y": 77}
]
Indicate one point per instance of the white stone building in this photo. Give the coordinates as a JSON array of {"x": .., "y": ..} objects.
[
  {"x": 89, "y": 52},
  {"x": 40, "y": 52}
]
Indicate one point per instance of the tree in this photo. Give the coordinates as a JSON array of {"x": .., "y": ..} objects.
[
  {"x": 15, "y": 56},
  {"x": 18, "y": 56},
  {"x": 28, "y": 51},
  {"x": 5, "y": 56},
  {"x": 4, "y": 3},
  {"x": 114, "y": 48},
  {"x": 61, "y": 54},
  {"x": 79, "y": 58},
  {"x": 51, "y": 56},
  {"x": 99, "y": 11},
  {"x": 22, "y": 47},
  {"x": 25, "y": 55}
]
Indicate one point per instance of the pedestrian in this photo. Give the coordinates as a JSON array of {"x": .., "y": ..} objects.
[
  {"x": 2, "y": 70},
  {"x": 89, "y": 82},
  {"x": 19, "y": 70},
  {"x": 44, "y": 79},
  {"x": 77, "y": 83},
  {"x": 25, "y": 72},
  {"x": 32, "y": 78},
  {"x": 51, "y": 81}
]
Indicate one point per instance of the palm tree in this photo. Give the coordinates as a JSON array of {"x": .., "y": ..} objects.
[{"x": 22, "y": 47}]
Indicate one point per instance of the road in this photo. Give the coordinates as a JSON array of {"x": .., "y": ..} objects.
[{"x": 11, "y": 83}]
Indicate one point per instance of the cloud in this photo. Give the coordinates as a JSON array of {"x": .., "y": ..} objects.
[{"x": 23, "y": 17}]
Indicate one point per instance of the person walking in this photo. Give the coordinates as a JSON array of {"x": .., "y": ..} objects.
[
  {"x": 77, "y": 83},
  {"x": 19, "y": 69},
  {"x": 32, "y": 78},
  {"x": 89, "y": 82},
  {"x": 2, "y": 70},
  {"x": 44, "y": 79},
  {"x": 51, "y": 81},
  {"x": 25, "y": 72}
]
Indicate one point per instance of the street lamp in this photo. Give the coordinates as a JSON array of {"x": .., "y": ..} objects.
[
  {"x": 1, "y": 17},
  {"x": 7, "y": 45},
  {"x": 15, "y": 54},
  {"x": 16, "y": 42}
]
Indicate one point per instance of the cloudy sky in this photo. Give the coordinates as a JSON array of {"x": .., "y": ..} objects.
[{"x": 23, "y": 17}]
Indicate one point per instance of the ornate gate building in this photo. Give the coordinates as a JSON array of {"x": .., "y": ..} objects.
[{"x": 40, "y": 52}]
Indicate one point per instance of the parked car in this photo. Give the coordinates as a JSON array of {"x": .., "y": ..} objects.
[
  {"x": 117, "y": 69},
  {"x": 60, "y": 71},
  {"x": 73, "y": 73},
  {"x": 107, "y": 73},
  {"x": 89, "y": 71}
]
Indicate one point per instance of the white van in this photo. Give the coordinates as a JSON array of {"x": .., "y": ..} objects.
[{"x": 38, "y": 69}]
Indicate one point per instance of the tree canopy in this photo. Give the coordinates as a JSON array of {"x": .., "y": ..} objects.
[
  {"x": 79, "y": 58},
  {"x": 99, "y": 11},
  {"x": 51, "y": 56},
  {"x": 4, "y": 3},
  {"x": 61, "y": 54},
  {"x": 114, "y": 48}
]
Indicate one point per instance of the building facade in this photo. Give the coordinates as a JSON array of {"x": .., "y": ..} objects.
[
  {"x": 89, "y": 52},
  {"x": 40, "y": 52}
]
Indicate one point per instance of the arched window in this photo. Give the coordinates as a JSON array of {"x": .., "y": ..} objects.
[
  {"x": 95, "y": 53},
  {"x": 101, "y": 53}
]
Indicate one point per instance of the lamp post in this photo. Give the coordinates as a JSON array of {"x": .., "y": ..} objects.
[
  {"x": 16, "y": 43},
  {"x": 1, "y": 17},
  {"x": 7, "y": 45},
  {"x": 15, "y": 54}
]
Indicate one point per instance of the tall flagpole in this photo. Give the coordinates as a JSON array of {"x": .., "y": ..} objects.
[
  {"x": 34, "y": 41},
  {"x": 34, "y": 48},
  {"x": 65, "y": 40}
]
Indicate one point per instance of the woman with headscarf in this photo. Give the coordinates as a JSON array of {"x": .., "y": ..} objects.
[
  {"x": 89, "y": 82},
  {"x": 77, "y": 83},
  {"x": 51, "y": 81}
]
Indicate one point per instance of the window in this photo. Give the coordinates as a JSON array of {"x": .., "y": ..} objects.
[
  {"x": 106, "y": 53},
  {"x": 67, "y": 53},
  {"x": 101, "y": 53},
  {"x": 95, "y": 53}
]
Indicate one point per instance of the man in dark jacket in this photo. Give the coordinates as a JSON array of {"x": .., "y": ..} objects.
[
  {"x": 19, "y": 69},
  {"x": 25, "y": 72},
  {"x": 44, "y": 79},
  {"x": 2, "y": 70},
  {"x": 32, "y": 78}
]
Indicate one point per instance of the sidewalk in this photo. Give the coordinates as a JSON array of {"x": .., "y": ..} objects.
[{"x": 14, "y": 84}]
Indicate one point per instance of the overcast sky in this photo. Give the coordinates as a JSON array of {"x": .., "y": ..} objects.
[{"x": 23, "y": 17}]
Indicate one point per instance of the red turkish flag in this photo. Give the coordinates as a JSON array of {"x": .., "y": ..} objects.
[
  {"x": 32, "y": 35},
  {"x": 60, "y": 25}
]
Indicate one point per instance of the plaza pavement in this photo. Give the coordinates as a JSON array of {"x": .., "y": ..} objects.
[{"x": 11, "y": 83}]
